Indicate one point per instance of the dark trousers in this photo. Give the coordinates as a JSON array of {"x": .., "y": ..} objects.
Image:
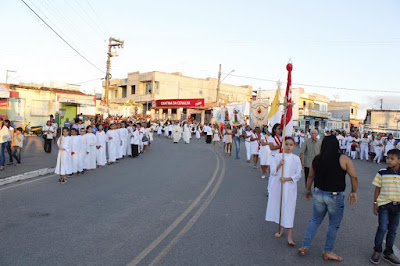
[
  {"x": 47, "y": 145},
  {"x": 208, "y": 139},
  {"x": 17, "y": 153},
  {"x": 306, "y": 172},
  {"x": 135, "y": 150},
  {"x": 9, "y": 151},
  {"x": 388, "y": 217}
]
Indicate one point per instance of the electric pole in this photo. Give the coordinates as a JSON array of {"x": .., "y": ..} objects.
[
  {"x": 8, "y": 71},
  {"x": 116, "y": 44},
  {"x": 381, "y": 100},
  {"x": 219, "y": 82}
]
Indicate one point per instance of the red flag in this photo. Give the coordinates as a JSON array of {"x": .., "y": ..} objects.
[{"x": 288, "y": 109}]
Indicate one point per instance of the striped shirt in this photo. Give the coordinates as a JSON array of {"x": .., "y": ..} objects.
[{"x": 389, "y": 182}]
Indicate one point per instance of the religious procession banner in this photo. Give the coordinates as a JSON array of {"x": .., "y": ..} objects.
[
  {"x": 220, "y": 115},
  {"x": 236, "y": 116},
  {"x": 259, "y": 113}
]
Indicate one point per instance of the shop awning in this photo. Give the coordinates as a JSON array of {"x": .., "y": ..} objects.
[{"x": 4, "y": 93}]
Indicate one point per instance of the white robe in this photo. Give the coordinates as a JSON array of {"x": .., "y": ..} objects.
[
  {"x": 292, "y": 168},
  {"x": 123, "y": 136},
  {"x": 264, "y": 151},
  {"x": 90, "y": 159},
  {"x": 176, "y": 133},
  {"x": 198, "y": 132},
  {"x": 77, "y": 147},
  {"x": 101, "y": 156},
  {"x": 63, "y": 166},
  {"x": 186, "y": 134},
  {"x": 112, "y": 145},
  {"x": 128, "y": 142}
]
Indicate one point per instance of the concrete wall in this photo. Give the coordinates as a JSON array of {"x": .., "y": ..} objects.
[{"x": 384, "y": 119}]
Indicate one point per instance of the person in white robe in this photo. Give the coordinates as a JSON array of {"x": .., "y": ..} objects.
[
  {"x": 140, "y": 130},
  {"x": 101, "y": 141},
  {"x": 170, "y": 130},
  {"x": 159, "y": 129},
  {"x": 264, "y": 155},
  {"x": 291, "y": 166},
  {"x": 76, "y": 144},
  {"x": 186, "y": 133},
  {"x": 378, "y": 147},
  {"x": 247, "y": 142},
  {"x": 63, "y": 167},
  {"x": 112, "y": 142},
  {"x": 389, "y": 144},
  {"x": 123, "y": 136},
  {"x": 255, "y": 145},
  {"x": 198, "y": 132},
  {"x": 177, "y": 133},
  {"x": 90, "y": 158},
  {"x": 128, "y": 140},
  {"x": 84, "y": 150}
]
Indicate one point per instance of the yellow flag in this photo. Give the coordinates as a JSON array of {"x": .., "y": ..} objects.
[{"x": 275, "y": 105}]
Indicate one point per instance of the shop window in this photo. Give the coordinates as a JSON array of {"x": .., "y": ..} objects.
[
  {"x": 133, "y": 89},
  {"x": 173, "y": 111},
  {"x": 148, "y": 88},
  {"x": 304, "y": 104},
  {"x": 352, "y": 111},
  {"x": 116, "y": 94}
]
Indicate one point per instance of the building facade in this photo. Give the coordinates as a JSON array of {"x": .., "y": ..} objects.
[
  {"x": 162, "y": 95},
  {"x": 383, "y": 121},
  {"x": 347, "y": 112},
  {"x": 35, "y": 103}
]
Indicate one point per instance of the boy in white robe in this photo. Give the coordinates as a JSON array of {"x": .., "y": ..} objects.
[
  {"x": 101, "y": 156},
  {"x": 291, "y": 165},
  {"x": 63, "y": 167},
  {"x": 134, "y": 140},
  {"x": 123, "y": 136},
  {"x": 128, "y": 140},
  {"x": 90, "y": 158},
  {"x": 112, "y": 142},
  {"x": 186, "y": 134},
  {"x": 76, "y": 144},
  {"x": 177, "y": 133},
  {"x": 84, "y": 151}
]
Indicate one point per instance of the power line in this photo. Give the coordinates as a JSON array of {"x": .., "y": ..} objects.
[
  {"x": 316, "y": 86},
  {"x": 87, "y": 60}
]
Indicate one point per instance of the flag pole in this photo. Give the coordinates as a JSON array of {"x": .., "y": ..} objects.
[
  {"x": 289, "y": 68},
  {"x": 60, "y": 151}
]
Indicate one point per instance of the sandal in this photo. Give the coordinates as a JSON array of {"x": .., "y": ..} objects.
[
  {"x": 331, "y": 256},
  {"x": 303, "y": 251}
]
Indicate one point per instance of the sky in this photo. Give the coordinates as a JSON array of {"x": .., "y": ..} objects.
[{"x": 342, "y": 44}]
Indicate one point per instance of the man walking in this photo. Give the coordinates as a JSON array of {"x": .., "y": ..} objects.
[
  {"x": 308, "y": 151},
  {"x": 48, "y": 130}
]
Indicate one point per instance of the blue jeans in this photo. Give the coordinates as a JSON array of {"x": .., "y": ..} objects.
[
  {"x": 324, "y": 202},
  {"x": 388, "y": 216},
  {"x": 237, "y": 146},
  {"x": 2, "y": 153}
]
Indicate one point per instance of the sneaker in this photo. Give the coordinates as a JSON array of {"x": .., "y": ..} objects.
[
  {"x": 263, "y": 176},
  {"x": 376, "y": 258},
  {"x": 255, "y": 167},
  {"x": 392, "y": 259}
]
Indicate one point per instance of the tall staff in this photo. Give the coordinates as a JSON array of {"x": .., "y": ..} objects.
[
  {"x": 60, "y": 151},
  {"x": 287, "y": 102}
]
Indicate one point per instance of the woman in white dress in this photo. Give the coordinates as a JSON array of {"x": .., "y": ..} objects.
[
  {"x": 291, "y": 166},
  {"x": 63, "y": 167},
  {"x": 301, "y": 138},
  {"x": 378, "y": 148},
  {"x": 389, "y": 144},
  {"x": 90, "y": 158},
  {"x": 247, "y": 143},
  {"x": 255, "y": 145},
  {"x": 364, "y": 142},
  {"x": 198, "y": 135},
  {"x": 216, "y": 136},
  {"x": 101, "y": 156},
  {"x": 264, "y": 155},
  {"x": 275, "y": 140},
  {"x": 343, "y": 143}
]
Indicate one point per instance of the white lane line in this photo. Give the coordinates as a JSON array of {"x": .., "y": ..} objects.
[
  {"x": 193, "y": 220},
  {"x": 177, "y": 221},
  {"x": 27, "y": 182}
]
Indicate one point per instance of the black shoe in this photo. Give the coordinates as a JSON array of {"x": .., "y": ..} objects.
[
  {"x": 376, "y": 258},
  {"x": 392, "y": 259}
]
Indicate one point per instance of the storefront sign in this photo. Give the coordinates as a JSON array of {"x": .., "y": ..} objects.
[
  {"x": 76, "y": 98},
  {"x": 186, "y": 103},
  {"x": 3, "y": 103},
  {"x": 396, "y": 117}
]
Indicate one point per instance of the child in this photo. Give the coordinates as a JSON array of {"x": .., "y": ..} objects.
[
  {"x": 63, "y": 167},
  {"x": 387, "y": 207},
  {"x": 354, "y": 149},
  {"x": 101, "y": 157},
  {"x": 18, "y": 143},
  {"x": 111, "y": 138},
  {"x": 76, "y": 161},
  {"x": 90, "y": 158},
  {"x": 292, "y": 173}
]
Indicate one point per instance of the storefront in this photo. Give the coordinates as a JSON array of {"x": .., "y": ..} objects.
[
  {"x": 179, "y": 109},
  {"x": 71, "y": 105},
  {"x": 4, "y": 102}
]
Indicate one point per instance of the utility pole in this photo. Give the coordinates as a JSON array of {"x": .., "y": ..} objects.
[
  {"x": 219, "y": 82},
  {"x": 7, "y": 74},
  {"x": 381, "y": 100},
  {"x": 116, "y": 44}
]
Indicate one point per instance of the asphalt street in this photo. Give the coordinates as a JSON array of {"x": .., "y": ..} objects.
[{"x": 177, "y": 204}]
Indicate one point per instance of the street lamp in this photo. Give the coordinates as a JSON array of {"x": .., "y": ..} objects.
[
  {"x": 220, "y": 81},
  {"x": 9, "y": 71}
]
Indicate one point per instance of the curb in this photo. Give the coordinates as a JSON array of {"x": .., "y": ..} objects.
[{"x": 25, "y": 176}]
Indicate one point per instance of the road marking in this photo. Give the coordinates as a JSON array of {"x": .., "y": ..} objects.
[
  {"x": 178, "y": 220},
  {"x": 23, "y": 183},
  {"x": 194, "y": 219}
]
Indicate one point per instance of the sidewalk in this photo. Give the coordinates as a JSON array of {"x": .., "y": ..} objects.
[{"x": 33, "y": 158}]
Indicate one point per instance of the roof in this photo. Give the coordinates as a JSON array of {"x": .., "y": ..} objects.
[
  {"x": 56, "y": 90},
  {"x": 384, "y": 110}
]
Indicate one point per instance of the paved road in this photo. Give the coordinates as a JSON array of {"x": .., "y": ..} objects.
[{"x": 175, "y": 205}]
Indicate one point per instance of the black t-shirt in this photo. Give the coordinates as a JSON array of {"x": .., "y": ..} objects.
[{"x": 329, "y": 175}]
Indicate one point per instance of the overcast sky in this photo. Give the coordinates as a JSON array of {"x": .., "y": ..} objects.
[{"x": 344, "y": 44}]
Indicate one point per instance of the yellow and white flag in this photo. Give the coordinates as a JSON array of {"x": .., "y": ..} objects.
[{"x": 275, "y": 114}]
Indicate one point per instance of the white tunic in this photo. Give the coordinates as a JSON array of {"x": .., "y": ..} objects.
[
  {"x": 264, "y": 151},
  {"x": 77, "y": 147},
  {"x": 128, "y": 141},
  {"x": 186, "y": 134},
  {"x": 90, "y": 159},
  {"x": 292, "y": 168},
  {"x": 63, "y": 166},
  {"x": 254, "y": 148},
  {"x": 101, "y": 141},
  {"x": 123, "y": 136},
  {"x": 176, "y": 133},
  {"x": 112, "y": 145},
  {"x": 389, "y": 145}
]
